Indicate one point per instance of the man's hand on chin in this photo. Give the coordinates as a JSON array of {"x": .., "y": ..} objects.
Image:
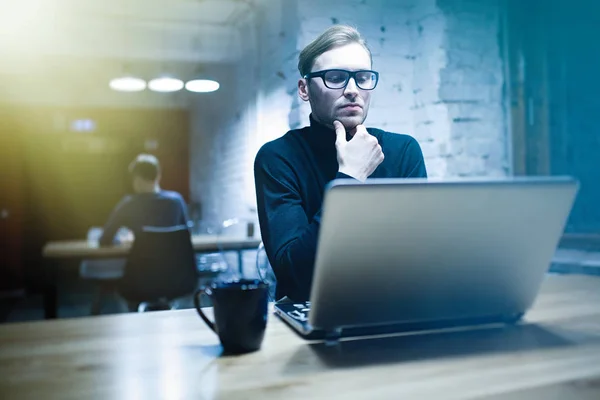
[{"x": 359, "y": 156}]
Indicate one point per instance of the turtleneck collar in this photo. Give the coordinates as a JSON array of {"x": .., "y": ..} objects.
[{"x": 321, "y": 136}]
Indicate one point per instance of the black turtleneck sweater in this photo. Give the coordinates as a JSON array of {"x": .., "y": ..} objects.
[{"x": 291, "y": 173}]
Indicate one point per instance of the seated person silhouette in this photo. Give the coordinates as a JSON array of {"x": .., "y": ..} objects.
[{"x": 148, "y": 206}]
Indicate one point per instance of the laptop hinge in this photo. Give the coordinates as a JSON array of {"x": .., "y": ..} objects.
[{"x": 332, "y": 337}]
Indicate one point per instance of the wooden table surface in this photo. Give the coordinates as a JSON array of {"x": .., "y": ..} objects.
[
  {"x": 83, "y": 249},
  {"x": 554, "y": 354}
]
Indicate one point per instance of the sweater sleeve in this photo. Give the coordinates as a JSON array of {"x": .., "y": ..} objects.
[
  {"x": 116, "y": 220},
  {"x": 413, "y": 164},
  {"x": 288, "y": 233}
]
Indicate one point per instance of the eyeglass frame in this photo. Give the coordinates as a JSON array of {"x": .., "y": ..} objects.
[{"x": 351, "y": 75}]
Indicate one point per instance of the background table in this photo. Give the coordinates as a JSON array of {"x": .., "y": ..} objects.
[
  {"x": 65, "y": 249},
  {"x": 55, "y": 251},
  {"x": 553, "y": 354}
]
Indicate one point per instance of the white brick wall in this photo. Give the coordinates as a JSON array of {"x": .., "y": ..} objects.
[
  {"x": 441, "y": 81},
  {"x": 427, "y": 25},
  {"x": 471, "y": 87}
]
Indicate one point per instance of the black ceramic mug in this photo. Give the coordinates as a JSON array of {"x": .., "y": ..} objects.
[{"x": 240, "y": 311}]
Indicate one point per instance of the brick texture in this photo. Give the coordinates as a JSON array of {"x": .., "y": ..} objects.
[{"x": 441, "y": 81}]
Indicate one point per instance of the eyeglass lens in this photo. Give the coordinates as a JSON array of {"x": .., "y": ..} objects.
[{"x": 338, "y": 79}]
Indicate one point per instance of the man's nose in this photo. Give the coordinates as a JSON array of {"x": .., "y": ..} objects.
[{"x": 351, "y": 89}]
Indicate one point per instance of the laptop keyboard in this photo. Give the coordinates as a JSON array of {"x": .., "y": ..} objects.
[{"x": 300, "y": 311}]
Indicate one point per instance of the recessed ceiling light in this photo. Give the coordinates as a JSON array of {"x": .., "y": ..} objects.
[
  {"x": 127, "y": 84},
  {"x": 165, "y": 84},
  {"x": 202, "y": 85}
]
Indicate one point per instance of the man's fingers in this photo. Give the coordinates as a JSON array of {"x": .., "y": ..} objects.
[
  {"x": 361, "y": 130},
  {"x": 340, "y": 132}
]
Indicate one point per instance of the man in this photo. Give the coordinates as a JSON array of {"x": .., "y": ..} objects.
[
  {"x": 291, "y": 172},
  {"x": 149, "y": 206}
]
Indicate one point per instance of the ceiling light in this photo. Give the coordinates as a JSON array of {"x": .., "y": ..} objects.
[
  {"x": 202, "y": 85},
  {"x": 165, "y": 84},
  {"x": 127, "y": 84}
]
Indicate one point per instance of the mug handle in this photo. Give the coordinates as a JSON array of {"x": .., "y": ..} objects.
[{"x": 197, "y": 295}]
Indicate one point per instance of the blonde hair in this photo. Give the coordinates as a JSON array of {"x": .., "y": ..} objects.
[{"x": 335, "y": 36}]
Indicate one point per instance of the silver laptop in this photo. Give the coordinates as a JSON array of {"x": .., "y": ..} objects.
[{"x": 419, "y": 254}]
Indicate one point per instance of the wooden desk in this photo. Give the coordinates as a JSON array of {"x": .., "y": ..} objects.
[
  {"x": 554, "y": 354},
  {"x": 82, "y": 249}
]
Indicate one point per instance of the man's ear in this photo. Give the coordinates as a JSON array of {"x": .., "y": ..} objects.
[{"x": 303, "y": 89}]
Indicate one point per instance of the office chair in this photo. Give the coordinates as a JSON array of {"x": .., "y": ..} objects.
[{"x": 161, "y": 267}]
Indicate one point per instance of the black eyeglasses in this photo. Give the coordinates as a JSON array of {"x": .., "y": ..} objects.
[{"x": 339, "y": 78}]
